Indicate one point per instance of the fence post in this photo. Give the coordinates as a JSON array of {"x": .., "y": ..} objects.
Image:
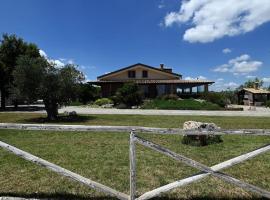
[{"x": 132, "y": 159}]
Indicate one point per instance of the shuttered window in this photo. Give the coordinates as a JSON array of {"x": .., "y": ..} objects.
[
  {"x": 144, "y": 74},
  {"x": 131, "y": 74}
]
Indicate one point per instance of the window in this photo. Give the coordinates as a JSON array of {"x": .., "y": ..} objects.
[
  {"x": 131, "y": 74},
  {"x": 144, "y": 74}
]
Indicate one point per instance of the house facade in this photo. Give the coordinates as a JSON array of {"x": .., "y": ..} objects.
[
  {"x": 152, "y": 81},
  {"x": 253, "y": 96}
]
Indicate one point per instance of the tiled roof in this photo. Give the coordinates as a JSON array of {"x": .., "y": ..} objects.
[
  {"x": 256, "y": 91},
  {"x": 156, "y": 81}
]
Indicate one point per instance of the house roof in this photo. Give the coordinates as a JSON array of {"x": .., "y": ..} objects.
[
  {"x": 147, "y": 66},
  {"x": 155, "y": 81},
  {"x": 256, "y": 91}
]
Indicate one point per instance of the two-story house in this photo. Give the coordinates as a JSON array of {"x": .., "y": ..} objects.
[{"x": 152, "y": 81}]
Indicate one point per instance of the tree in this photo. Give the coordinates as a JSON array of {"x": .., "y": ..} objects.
[
  {"x": 36, "y": 78},
  {"x": 252, "y": 83},
  {"x": 11, "y": 48},
  {"x": 88, "y": 93},
  {"x": 129, "y": 95}
]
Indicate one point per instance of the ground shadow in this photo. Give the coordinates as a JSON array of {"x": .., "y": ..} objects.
[
  {"x": 23, "y": 108},
  {"x": 62, "y": 196},
  {"x": 55, "y": 196},
  {"x": 62, "y": 119}
]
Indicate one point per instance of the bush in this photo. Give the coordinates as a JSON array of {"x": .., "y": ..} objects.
[
  {"x": 216, "y": 98},
  {"x": 129, "y": 95},
  {"x": 267, "y": 104},
  {"x": 88, "y": 93},
  {"x": 103, "y": 101},
  {"x": 201, "y": 140}
]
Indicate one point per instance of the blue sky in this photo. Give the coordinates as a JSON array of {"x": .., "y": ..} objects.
[{"x": 101, "y": 35}]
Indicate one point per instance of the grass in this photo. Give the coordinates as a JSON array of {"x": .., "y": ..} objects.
[
  {"x": 103, "y": 157},
  {"x": 141, "y": 120},
  {"x": 184, "y": 104}
]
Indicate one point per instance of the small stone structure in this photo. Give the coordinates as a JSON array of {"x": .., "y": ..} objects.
[{"x": 201, "y": 139}]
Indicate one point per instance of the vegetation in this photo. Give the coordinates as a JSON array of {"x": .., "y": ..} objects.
[
  {"x": 88, "y": 93},
  {"x": 162, "y": 121},
  {"x": 201, "y": 140},
  {"x": 267, "y": 103},
  {"x": 103, "y": 101},
  {"x": 11, "y": 49},
  {"x": 251, "y": 83},
  {"x": 216, "y": 98},
  {"x": 185, "y": 104},
  {"x": 104, "y": 157},
  {"x": 36, "y": 78},
  {"x": 128, "y": 95}
]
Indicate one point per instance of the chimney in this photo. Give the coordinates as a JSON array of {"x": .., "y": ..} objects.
[{"x": 161, "y": 66}]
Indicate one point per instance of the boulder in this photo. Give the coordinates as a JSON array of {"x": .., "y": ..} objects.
[{"x": 201, "y": 139}]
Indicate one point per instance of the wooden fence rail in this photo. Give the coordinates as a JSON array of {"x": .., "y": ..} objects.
[
  {"x": 138, "y": 129},
  {"x": 205, "y": 170}
]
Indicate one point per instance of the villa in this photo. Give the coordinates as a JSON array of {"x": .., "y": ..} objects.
[{"x": 153, "y": 81}]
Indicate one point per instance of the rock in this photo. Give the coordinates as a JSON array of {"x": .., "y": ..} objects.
[
  {"x": 193, "y": 125},
  {"x": 72, "y": 114},
  {"x": 201, "y": 139}
]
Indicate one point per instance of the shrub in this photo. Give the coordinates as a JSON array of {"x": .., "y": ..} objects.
[
  {"x": 201, "y": 140},
  {"x": 103, "y": 101},
  {"x": 216, "y": 98},
  {"x": 267, "y": 104},
  {"x": 129, "y": 95},
  {"x": 88, "y": 93}
]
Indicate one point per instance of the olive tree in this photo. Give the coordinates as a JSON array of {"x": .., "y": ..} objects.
[
  {"x": 36, "y": 78},
  {"x": 11, "y": 48}
]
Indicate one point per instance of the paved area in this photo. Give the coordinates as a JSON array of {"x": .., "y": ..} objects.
[
  {"x": 264, "y": 112},
  {"x": 256, "y": 112}
]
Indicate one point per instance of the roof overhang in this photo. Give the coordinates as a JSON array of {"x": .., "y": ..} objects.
[
  {"x": 139, "y": 64},
  {"x": 155, "y": 81}
]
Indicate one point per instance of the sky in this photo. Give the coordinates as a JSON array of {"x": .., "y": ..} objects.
[{"x": 224, "y": 41}]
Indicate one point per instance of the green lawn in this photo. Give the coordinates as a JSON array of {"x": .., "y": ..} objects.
[
  {"x": 103, "y": 157},
  {"x": 143, "y": 120}
]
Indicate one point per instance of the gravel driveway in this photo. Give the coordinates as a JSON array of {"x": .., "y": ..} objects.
[{"x": 263, "y": 112}]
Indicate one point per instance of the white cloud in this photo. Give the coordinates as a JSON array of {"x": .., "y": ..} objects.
[
  {"x": 250, "y": 77},
  {"x": 266, "y": 80},
  {"x": 57, "y": 63},
  {"x": 231, "y": 85},
  {"x": 226, "y": 50},
  {"x": 42, "y": 53},
  {"x": 214, "y": 19},
  {"x": 221, "y": 85},
  {"x": 241, "y": 65}
]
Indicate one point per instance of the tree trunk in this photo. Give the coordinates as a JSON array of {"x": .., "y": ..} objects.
[
  {"x": 52, "y": 110},
  {"x": 3, "y": 99}
]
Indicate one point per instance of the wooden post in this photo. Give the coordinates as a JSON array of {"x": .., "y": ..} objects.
[
  {"x": 206, "y": 88},
  {"x": 132, "y": 159}
]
